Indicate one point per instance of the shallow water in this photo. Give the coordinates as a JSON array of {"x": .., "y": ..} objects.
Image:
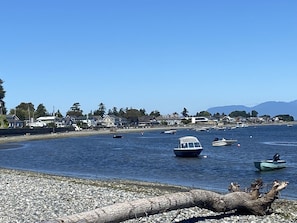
[{"x": 150, "y": 157}]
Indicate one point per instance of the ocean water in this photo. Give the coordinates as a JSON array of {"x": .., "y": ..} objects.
[{"x": 150, "y": 157}]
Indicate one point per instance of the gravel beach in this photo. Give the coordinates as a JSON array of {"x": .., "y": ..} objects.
[{"x": 35, "y": 197}]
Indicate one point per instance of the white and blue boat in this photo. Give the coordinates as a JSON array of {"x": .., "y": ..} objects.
[{"x": 189, "y": 146}]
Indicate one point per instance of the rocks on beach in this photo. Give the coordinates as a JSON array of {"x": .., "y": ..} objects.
[{"x": 34, "y": 197}]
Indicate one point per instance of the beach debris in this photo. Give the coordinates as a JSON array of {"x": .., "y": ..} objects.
[{"x": 250, "y": 201}]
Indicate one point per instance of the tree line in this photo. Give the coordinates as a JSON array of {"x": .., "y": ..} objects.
[{"x": 27, "y": 111}]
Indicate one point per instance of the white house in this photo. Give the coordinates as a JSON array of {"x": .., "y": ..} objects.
[{"x": 199, "y": 119}]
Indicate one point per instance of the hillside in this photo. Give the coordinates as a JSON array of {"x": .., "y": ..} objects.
[{"x": 271, "y": 108}]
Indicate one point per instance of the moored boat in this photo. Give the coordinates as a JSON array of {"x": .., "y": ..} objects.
[
  {"x": 265, "y": 165},
  {"x": 117, "y": 136},
  {"x": 189, "y": 146},
  {"x": 223, "y": 142},
  {"x": 270, "y": 164},
  {"x": 171, "y": 131}
]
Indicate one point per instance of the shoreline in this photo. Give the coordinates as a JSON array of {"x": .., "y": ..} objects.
[
  {"x": 89, "y": 132},
  {"x": 82, "y": 133},
  {"x": 38, "y": 197}
]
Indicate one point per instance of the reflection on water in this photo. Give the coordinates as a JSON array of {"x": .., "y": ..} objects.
[
  {"x": 150, "y": 157},
  {"x": 10, "y": 146},
  {"x": 280, "y": 143}
]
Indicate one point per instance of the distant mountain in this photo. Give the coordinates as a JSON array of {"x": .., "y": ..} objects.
[{"x": 271, "y": 108}]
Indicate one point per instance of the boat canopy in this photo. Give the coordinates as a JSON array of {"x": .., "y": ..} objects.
[{"x": 187, "y": 139}]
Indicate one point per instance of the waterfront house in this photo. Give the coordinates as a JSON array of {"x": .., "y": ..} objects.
[
  {"x": 145, "y": 121},
  {"x": 110, "y": 121},
  {"x": 170, "y": 120},
  {"x": 14, "y": 121}
]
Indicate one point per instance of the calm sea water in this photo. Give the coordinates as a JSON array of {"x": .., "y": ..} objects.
[{"x": 150, "y": 157}]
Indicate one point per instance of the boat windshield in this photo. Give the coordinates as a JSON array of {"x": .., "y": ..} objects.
[
  {"x": 197, "y": 144},
  {"x": 184, "y": 145},
  {"x": 191, "y": 145}
]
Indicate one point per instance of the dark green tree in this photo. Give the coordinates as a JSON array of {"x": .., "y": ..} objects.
[
  {"x": 155, "y": 113},
  {"x": 115, "y": 111},
  {"x": 185, "y": 113},
  {"x": 2, "y": 96},
  {"x": 101, "y": 110},
  {"x": 40, "y": 111},
  {"x": 142, "y": 111},
  {"x": 109, "y": 112},
  {"x": 58, "y": 114},
  {"x": 286, "y": 118},
  {"x": 235, "y": 114},
  {"x": 254, "y": 113},
  {"x": 25, "y": 111},
  {"x": 75, "y": 110},
  {"x": 203, "y": 113},
  {"x": 132, "y": 115},
  {"x": 122, "y": 113}
]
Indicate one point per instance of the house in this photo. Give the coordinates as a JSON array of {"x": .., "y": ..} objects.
[
  {"x": 198, "y": 119},
  {"x": 169, "y": 120},
  {"x": 110, "y": 121},
  {"x": 145, "y": 121},
  {"x": 14, "y": 122},
  {"x": 48, "y": 119}
]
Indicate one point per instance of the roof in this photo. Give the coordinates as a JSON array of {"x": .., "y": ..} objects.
[{"x": 187, "y": 139}]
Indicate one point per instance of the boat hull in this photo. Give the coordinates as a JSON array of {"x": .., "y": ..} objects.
[
  {"x": 117, "y": 136},
  {"x": 187, "y": 152},
  {"x": 172, "y": 131},
  {"x": 219, "y": 143},
  {"x": 267, "y": 165},
  {"x": 224, "y": 142}
]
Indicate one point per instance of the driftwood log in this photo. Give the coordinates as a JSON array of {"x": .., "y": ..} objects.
[{"x": 249, "y": 201}]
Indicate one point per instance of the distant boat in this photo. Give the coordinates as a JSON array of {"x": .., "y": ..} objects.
[
  {"x": 117, "y": 136},
  {"x": 188, "y": 146},
  {"x": 171, "y": 131},
  {"x": 270, "y": 164},
  {"x": 223, "y": 142}
]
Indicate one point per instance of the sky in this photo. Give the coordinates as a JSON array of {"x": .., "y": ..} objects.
[{"x": 163, "y": 55}]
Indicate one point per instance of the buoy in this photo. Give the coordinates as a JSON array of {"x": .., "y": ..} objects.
[{"x": 238, "y": 145}]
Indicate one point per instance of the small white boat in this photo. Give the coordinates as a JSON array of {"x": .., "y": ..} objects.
[
  {"x": 270, "y": 164},
  {"x": 171, "y": 131},
  {"x": 223, "y": 142},
  {"x": 189, "y": 146}
]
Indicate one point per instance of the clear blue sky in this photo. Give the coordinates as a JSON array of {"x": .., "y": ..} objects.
[{"x": 162, "y": 55}]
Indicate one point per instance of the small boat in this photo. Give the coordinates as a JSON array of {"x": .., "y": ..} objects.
[
  {"x": 171, "y": 131},
  {"x": 189, "y": 146},
  {"x": 223, "y": 142},
  {"x": 270, "y": 164},
  {"x": 117, "y": 136}
]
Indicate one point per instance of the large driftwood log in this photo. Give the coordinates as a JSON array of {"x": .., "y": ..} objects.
[{"x": 247, "y": 201}]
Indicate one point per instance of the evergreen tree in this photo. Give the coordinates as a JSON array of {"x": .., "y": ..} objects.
[
  {"x": 2, "y": 95},
  {"x": 40, "y": 111}
]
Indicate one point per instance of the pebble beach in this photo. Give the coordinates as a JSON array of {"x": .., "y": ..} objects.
[{"x": 35, "y": 197}]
